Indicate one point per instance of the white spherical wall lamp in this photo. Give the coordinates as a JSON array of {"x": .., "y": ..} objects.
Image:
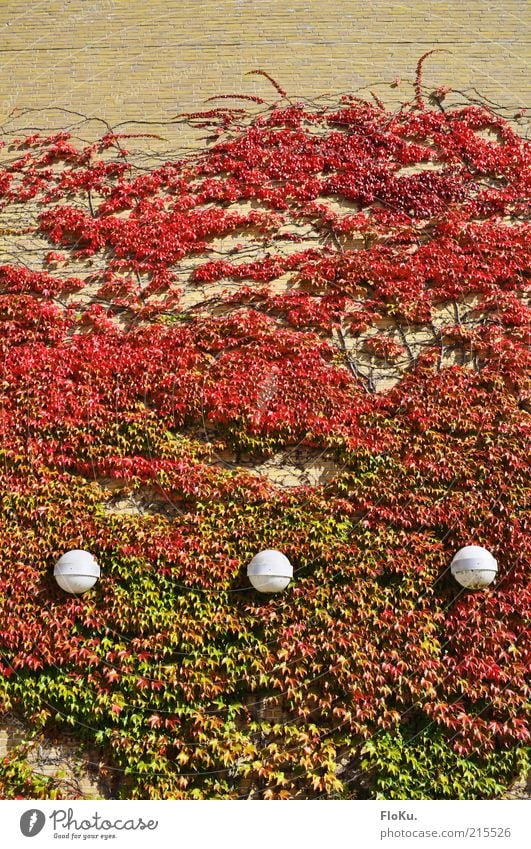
[
  {"x": 270, "y": 571},
  {"x": 474, "y": 567},
  {"x": 76, "y": 571}
]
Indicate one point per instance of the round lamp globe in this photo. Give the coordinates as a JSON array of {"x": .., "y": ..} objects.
[
  {"x": 76, "y": 571},
  {"x": 474, "y": 567},
  {"x": 270, "y": 571}
]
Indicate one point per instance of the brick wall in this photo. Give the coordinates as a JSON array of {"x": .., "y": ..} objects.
[
  {"x": 132, "y": 60},
  {"x": 72, "y": 769}
]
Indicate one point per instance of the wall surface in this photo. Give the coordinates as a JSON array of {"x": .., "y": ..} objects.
[{"x": 132, "y": 60}]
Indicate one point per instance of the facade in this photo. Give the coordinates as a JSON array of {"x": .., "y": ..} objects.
[{"x": 122, "y": 60}]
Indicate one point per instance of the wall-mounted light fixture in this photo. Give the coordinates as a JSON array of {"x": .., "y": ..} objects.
[
  {"x": 270, "y": 571},
  {"x": 474, "y": 567},
  {"x": 76, "y": 571}
]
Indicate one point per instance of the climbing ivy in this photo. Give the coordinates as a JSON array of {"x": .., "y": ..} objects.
[{"x": 151, "y": 339}]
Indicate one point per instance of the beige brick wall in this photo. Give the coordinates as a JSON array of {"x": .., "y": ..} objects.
[
  {"x": 73, "y": 770},
  {"x": 132, "y": 59}
]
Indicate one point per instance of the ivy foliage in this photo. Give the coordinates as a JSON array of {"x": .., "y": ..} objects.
[{"x": 374, "y": 675}]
